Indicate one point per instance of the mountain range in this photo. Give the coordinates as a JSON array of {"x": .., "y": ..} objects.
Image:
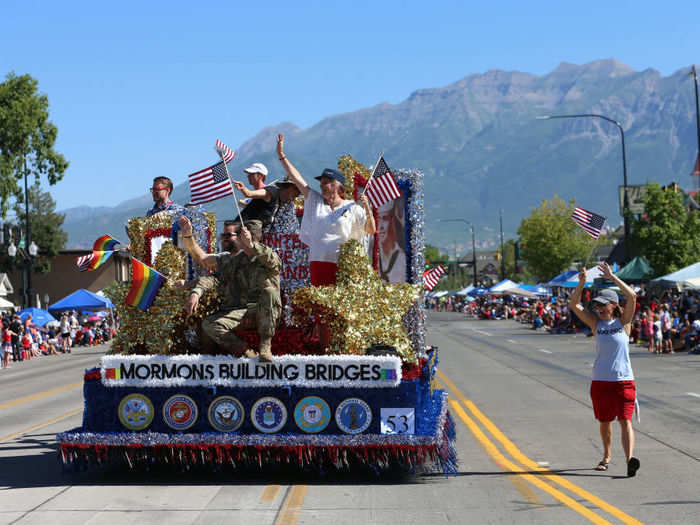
[{"x": 482, "y": 149}]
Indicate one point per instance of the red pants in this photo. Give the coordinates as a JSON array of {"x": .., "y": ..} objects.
[{"x": 323, "y": 273}]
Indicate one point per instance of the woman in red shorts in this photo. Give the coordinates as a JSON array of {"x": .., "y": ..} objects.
[{"x": 612, "y": 389}]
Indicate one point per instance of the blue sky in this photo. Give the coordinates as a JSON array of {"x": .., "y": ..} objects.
[{"x": 139, "y": 89}]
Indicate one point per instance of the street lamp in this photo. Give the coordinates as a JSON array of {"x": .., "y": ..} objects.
[
  {"x": 625, "y": 205},
  {"x": 473, "y": 242},
  {"x": 28, "y": 259}
]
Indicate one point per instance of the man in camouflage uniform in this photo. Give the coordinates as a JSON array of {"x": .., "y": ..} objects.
[{"x": 248, "y": 276}]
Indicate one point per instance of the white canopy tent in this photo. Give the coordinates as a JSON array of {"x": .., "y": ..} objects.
[
  {"x": 506, "y": 284},
  {"x": 689, "y": 274},
  {"x": 5, "y": 304}
]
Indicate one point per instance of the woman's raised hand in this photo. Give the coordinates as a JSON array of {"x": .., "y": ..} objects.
[
  {"x": 606, "y": 270},
  {"x": 280, "y": 146},
  {"x": 582, "y": 276}
]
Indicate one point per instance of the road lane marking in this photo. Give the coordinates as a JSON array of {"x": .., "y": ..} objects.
[
  {"x": 497, "y": 456},
  {"x": 481, "y": 332},
  {"x": 520, "y": 485},
  {"x": 544, "y": 350},
  {"x": 289, "y": 512},
  {"x": 512, "y": 341},
  {"x": 270, "y": 493},
  {"x": 40, "y": 425},
  {"x": 40, "y": 395},
  {"x": 693, "y": 394},
  {"x": 510, "y": 447}
]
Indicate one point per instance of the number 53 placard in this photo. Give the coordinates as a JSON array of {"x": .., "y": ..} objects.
[{"x": 398, "y": 421}]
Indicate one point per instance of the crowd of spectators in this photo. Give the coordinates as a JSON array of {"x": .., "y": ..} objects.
[
  {"x": 24, "y": 340},
  {"x": 663, "y": 324}
]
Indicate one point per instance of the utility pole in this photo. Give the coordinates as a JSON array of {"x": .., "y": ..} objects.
[
  {"x": 503, "y": 255},
  {"x": 696, "y": 172}
]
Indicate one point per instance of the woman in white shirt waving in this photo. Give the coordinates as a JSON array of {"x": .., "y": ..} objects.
[
  {"x": 612, "y": 390},
  {"x": 329, "y": 219}
]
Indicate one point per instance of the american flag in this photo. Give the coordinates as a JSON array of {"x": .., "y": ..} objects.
[
  {"x": 382, "y": 188},
  {"x": 592, "y": 223},
  {"x": 84, "y": 262},
  {"x": 210, "y": 184},
  {"x": 224, "y": 151},
  {"x": 431, "y": 277}
]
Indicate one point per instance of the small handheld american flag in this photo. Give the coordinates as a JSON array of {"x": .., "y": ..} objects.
[
  {"x": 211, "y": 183},
  {"x": 382, "y": 187},
  {"x": 224, "y": 151},
  {"x": 592, "y": 223},
  {"x": 431, "y": 277}
]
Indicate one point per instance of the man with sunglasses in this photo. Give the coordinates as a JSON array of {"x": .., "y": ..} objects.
[
  {"x": 161, "y": 190},
  {"x": 247, "y": 273}
]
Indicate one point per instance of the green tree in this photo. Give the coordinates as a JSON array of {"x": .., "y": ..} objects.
[
  {"x": 550, "y": 241},
  {"x": 26, "y": 137},
  {"x": 45, "y": 225},
  {"x": 667, "y": 234},
  {"x": 432, "y": 254}
]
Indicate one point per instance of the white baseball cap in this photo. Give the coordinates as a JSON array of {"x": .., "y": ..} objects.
[{"x": 258, "y": 167}]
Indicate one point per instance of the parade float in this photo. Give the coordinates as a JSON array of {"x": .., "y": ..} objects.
[{"x": 366, "y": 402}]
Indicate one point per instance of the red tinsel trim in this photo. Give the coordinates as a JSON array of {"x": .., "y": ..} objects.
[
  {"x": 158, "y": 232},
  {"x": 93, "y": 375},
  {"x": 413, "y": 371},
  {"x": 286, "y": 341}
]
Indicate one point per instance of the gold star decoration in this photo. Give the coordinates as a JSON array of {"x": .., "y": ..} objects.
[{"x": 361, "y": 309}]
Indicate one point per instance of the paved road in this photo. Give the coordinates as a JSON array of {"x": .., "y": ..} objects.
[{"x": 527, "y": 443}]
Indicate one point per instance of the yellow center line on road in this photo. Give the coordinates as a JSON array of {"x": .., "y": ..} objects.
[
  {"x": 536, "y": 481},
  {"x": 289, "y": 513},
  {"x": 270, "y": 493},
  {"x": 40, "y": 425},
  {"x": 40, "y": 395},
  {"x": 518, "y": 482},
  {"x": 510, "y": 447}
]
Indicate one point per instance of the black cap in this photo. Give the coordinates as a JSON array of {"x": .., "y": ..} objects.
[{"x": 332, "y": 174}]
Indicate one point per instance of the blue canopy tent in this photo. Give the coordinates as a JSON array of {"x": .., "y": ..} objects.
[
  {"x": 465, "y": 291},
  {"x": 537, "y": 289},
  {"x": 82, "y": 300},
  {"x": 479, "y": 290},
  {"x": 560, "y": 279},
  {"x": 39, "y": 316}
]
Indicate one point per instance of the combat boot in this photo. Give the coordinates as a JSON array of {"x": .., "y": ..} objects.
[{"x": 266, "y": 350}]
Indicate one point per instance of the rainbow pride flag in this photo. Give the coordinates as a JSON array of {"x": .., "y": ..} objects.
[
  {"x": 144, "y": 285},
  {"x": 105, "y": 244}
]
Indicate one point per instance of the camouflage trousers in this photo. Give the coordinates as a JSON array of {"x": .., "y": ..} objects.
[{"x": 218, "y": 335}]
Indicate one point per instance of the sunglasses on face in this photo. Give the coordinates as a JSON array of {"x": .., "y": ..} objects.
[
  {"x": 228, "y": 235},
  {"x": 158, "y": 188}
]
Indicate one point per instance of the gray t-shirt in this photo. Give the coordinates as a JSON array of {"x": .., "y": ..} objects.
[{"x": 612, "y": 360}]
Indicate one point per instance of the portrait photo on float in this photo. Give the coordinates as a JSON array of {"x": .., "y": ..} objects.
[{"x": 391, "y": 237}]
